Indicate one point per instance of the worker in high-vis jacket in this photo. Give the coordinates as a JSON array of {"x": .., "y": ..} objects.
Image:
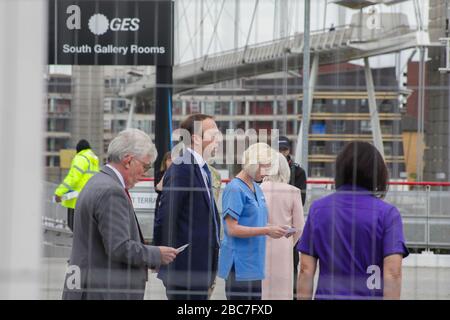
[{"x": 84, "y": 166}]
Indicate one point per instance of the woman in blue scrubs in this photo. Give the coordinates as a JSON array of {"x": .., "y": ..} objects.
[{"x": 244, "y": 210}]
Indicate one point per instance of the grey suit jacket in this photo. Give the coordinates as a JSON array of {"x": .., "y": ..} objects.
[{"x": 109, "y": 259}]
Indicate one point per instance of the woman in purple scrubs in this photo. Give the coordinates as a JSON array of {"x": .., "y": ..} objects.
[{"x": 356, "y": 236}]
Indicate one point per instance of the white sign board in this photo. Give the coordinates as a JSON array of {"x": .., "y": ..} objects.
[{"x": 144, "y": 200}]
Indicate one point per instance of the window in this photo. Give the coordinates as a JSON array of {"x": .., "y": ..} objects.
[
  {"x": 58, "y": 84},
  {"x": 222, "y": 108},
  {"x": 56, "y": 144},
  {"x": 337, "y": 146},
  {"x": 365, "y": 126},
  {"x": 318, "y": 127},
  {"x": 318, "y": 170},
  {"x": 240, "y": 108},
  {"x": 119, "y": 105},
  {"x": 319, "y": 105},
  {"x": 318, "y": 147},
  {"x": 263, "y": 107},
  {"x": 260, "y": 125},
  {"x": 387, "y": 127},
  {"x": 223, "y": 126},
  {"x": 192, "y": 107},
  {"x": 52, "y": 161},
  {"x": 106, "y": 125},
  {"x": 290, "y": 128},
  {"x": 107, "y": 105},
  {"x": 290, "y": 107},
  {"x": 386, "y": 107},
  {"x": 143, "y": 125},
  {"x": 61, "y": 125},
  {"x": 339, "y": 126},
  {"x": 118, "y": 125},
  {"x": 59, "y": 107},
  {"x": 208, "y": 108},
  {"x": 177, "y": 107},
  {"x": 387, "y": 149}
]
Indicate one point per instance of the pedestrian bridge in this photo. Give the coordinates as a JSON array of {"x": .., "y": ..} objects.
[{"x": 365, "y": 36}]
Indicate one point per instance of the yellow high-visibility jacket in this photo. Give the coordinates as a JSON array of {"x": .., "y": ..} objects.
[{"x": 84, "y": 166}]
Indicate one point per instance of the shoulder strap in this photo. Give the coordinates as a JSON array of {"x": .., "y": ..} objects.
[{"x": 292, "y": 180}]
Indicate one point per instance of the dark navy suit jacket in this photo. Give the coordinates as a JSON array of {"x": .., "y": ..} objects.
[{"x": 185, "y": 215}]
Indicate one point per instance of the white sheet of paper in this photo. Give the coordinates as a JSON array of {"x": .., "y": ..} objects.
[
  {"x": 69, "y": 195},
  {"x": 291, "y": 230},
  {"x": 180, "y": 249}
]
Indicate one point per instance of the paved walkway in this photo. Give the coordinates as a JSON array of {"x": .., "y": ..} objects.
[{"x": 419, "y": 283}]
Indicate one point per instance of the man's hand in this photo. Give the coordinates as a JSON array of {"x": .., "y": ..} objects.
[
  {"x": 57, "y": 199},
  {"x": 168, "y": 254},
  {"x": 277, "y": 232}
]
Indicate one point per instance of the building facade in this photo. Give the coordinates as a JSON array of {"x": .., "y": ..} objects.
[
  {"x": 58, "y": 122},
  {"x": 340, "y": 111},
  {"x": 437, "y": 138}
]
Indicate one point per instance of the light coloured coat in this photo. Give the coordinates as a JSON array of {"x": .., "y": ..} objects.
[{"x": 285, "y": 208}]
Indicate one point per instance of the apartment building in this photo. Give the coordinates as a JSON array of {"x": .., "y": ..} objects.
[
  {"x": 340, "y": 111},
  {"x": 58, "y": 122}
]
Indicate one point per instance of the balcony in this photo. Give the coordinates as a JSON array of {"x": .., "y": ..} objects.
[{"x": 59, "y": 115}]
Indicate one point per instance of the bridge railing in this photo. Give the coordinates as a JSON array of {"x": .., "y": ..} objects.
[
  {"x": 424, "y": 206},
  {"x": 321, "y": 40},
  {"x": 246, "y": 53}
]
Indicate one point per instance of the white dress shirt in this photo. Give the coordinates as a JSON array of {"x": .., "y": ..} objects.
[
  {"x": 201, "y": 163},
  {"x": 117, "y": 174}
]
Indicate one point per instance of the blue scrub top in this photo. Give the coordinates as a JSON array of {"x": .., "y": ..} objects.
[{"x": 247, "y": 254}]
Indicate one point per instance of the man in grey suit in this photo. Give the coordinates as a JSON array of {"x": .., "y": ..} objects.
[{"x": 109, "y": 259}]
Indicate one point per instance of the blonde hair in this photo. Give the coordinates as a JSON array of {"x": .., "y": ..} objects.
[
  {"x": 283, "y": 174},
  {"x": 257, "y": 154}
]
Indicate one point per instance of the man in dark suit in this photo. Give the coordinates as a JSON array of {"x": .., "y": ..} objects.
[
  {"x": 188, "y": 214},
  {"x": 109, "y": 259}
]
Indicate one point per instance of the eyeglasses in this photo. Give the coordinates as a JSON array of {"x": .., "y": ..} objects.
[{"x": 145, "y": 166}]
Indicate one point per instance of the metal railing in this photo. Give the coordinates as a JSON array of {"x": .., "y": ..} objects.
[{"x": 424, "y": 206}]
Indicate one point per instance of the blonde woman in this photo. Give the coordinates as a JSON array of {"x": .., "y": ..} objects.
[
  {"x": 242, "y": 251},
  {"x": 285, "y": 208}
]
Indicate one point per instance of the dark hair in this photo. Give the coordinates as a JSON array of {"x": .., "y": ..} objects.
[
  {"x": 188, "y": 123},
  {"x": 82, "y": 145},
  {"x": 361, "y": 164},
  {"x": 167, "y": 155},
  {"x": 284, "y": 143}
]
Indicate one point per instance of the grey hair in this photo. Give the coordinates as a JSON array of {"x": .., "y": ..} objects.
[
  {"x": 132, "y": 142},
  {"x": 283, "y": 174},
  {"x": 256, "y": 154}
]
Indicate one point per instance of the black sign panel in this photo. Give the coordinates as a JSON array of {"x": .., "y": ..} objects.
[{"x": 103, "y": 32}]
